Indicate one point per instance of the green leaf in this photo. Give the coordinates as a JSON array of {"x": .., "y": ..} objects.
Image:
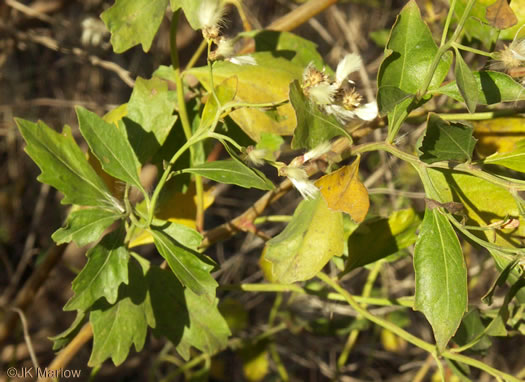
[
  {"x": 497, "y": 327},
  {"x": 267, "y": 81},
  {"x": 133, "y": 22},
  {"x": 185, "y": 318},
  {"x": 446, "y": 141},
  {"x": 110, "y": 145},
  {"x": 106, "y": 269},
  {"x": 390, "y": 96},
  {"x": 151, "y": 109},
  {"x": 467, "y": 84},
  {"x": 512, "y": 274},
  {"x": 441, "y": 276},
  {"x": 64, "y": 166},
  {"x": 117, "y": 327},
  {"x": 408, "y": 59},
  {"x": 188, "y": 265},
  {"x": 476, "y": 25},
  {"x": 380, "y": 37},
  {"x": 191, "y": 10},
  {"x": 183, "y": 234},
  {"x": 484, "y": 203},
  {"x": 514, "y": 160},
  {"x": 64, "y": 338},
  {"x": 296, "y": 49},
  {"x": 166, "y": 301},
  {"x": 375, "y": 239},
  {"x": 493, "y": 87},
  {"x": 314, "y": 235},
  {"x": 225, "y": 93},
  {"x": 207, "y": 329},
  {"x": 85, "y": 226},
  {"x": 232, "y": 171},
  {"x": 271, "y": 143},
  {"x": 176, "y": 4},
  {"x": 472, "y": 328},
  {"x": 313, "y": 126},
  {"x": 503, "y": 277}
]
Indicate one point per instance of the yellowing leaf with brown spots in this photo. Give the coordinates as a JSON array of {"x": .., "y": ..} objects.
[
  {"x": 343, "y": 191},
  {"x": 498, "y": 135},
  {"x": 313, "y": 236}
]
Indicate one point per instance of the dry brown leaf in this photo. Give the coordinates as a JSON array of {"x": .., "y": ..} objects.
[
  {"x": 343, "y": 191},
  {"x": 500, "y": 15}
]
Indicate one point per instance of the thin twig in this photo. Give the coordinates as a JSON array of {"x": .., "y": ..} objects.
[
  {"x": 293, "y": 19},
  {"x": 244, "y": 222},
  {"x": 28, "y": 11},
  {"x": 300, "y": 15},
  {"x": 27, "y": 338},
  {"x": 26, "y": 295},
  {"x": 56, "y": 102},
  {"x": 28, "y": 251},
  {"x": 53, "y": 44},
  {"x": 407, "y": 194}
]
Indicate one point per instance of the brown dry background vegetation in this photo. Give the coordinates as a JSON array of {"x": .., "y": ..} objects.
[{"x": 51, "y": 59}]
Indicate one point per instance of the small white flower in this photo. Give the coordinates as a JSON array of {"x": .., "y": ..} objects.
[
  {"x": 349, "y": 64},
  {"x": 323, "y": 93},
  {"x": 242, "y": 60},
  {"x": 340, "y": 113},
  {"x": 366, "y": 112},
  {"x": 317, "y": 151},
  {"x": 299, "y": 179}
]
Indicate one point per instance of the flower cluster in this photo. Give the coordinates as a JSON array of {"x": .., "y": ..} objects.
[
  {"x": 298, "y": 175},
  {"x": 512, "y": 57},
  {"x": 338, "y": 96},
  {"x": 211, "y": 20}
]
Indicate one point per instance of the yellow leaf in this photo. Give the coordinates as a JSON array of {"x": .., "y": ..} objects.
[
  {"x": 391, "y": 342},
  {"x": 498, "y": 135},
  {"x": 268, "y": 81},
  {"x": 343, "y": 191},
  {"x": 313, "y": 236},
  {"x": 255, "y": 361},
  {"x": 180, "y": 208}
]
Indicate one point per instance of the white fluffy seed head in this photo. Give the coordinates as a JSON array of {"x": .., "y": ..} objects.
[
  {"x": 210, "y": 16},
  {"x": 299, "y": 179},
  {"x": 317, "y": 151}
]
